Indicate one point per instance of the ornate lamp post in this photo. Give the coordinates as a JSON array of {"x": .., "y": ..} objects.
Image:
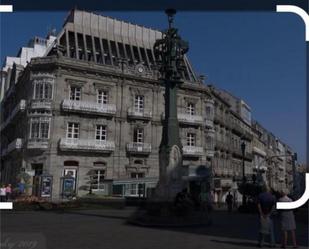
[
  {"x": 243, "y": 149},
  {"x": 170, "y": 50}
]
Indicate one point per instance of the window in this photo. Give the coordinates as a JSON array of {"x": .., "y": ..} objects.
[
  {"x": 190, "y": 139},
  {"x": 43, "y": 90},
  {"x": 75, "y": 93},
  {"x": 73, "y": 130},
  {"x": 191, "y": 108},
  {"x": 209, "y": 143},
  {"x": 39, "y": 128},
  {"x": 107, "y": 56},
  {"x": 102, "y": 97},
  {"x": 100, "y": 133},
  {"x": 139, "y": 103},
  {"x": 138, "y": 135},
  {"x": 97, "y": 180}
]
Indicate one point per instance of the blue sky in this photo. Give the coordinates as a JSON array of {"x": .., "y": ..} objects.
[{"x": 257, "y": 56}]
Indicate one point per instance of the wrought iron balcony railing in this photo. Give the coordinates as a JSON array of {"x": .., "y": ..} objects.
[
  {"x": 192, "y": 151},
  {"x": 88, "y": 107},
  {"x": 38, "y": 143},
  {"x": 41, "y": 104},
  {"x": 187, "y": 118},
  {"x": 69, "y": 144},
  {"x": 142, "y": 148},
  {"x": 139, "y": 113}
]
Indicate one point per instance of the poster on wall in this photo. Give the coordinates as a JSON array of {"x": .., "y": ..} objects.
[
  {"x": 46, "y": 186},
  {"x": 68, "y": 185}
]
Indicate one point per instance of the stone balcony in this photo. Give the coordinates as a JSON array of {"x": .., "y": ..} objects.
[
  {"x": 37, "y": 143},
  {"x": 209, "y": 123},
  {"x": 19, "y": 108},
  {"x": 210, "y": 153},
  {"x": 41, "y": 104},
  {"x": 139, "y": 148},
  {"x": 86, "y": 145},
  {"x": 88, "y": 107},
  {"x": 192, "y": 151},
  {"x": 190, "y": 119},
  {"x": 144, "y": 114},
  {"x": 222, "y": 145},
  {"x": 15, "y": 145}
]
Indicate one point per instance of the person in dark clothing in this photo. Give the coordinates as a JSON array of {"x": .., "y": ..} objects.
[
  {"x": 229, "y": 201},
  {"x": 266, "y": 203}
]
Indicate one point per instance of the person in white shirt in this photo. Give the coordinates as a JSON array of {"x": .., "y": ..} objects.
[
  {"x": 2, "y": 193},
  {"x": 287, "y": 221}
]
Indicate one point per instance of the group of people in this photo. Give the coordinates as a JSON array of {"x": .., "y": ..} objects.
[
  {"x": 5, "y": 192},
  {"x": 267, "y": 212}
]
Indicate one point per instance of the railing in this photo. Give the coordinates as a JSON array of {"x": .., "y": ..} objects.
[
  {"x": 20, "y": 107},
  {"x": 209, "y": 122},
  {"x": 237, "y": 128},
  {"x": 144, "y": 113},
  {"x": 88, "y": 107},
  {"x": 186, "y": 118},
  {"x": 139, "y": 147},
  {"x": 210, "y": 153},
  {"x": 190, "y": 119},
  {"x": 15, "y": 145},
  {"x": 41, "y": 104},
  {"x": 86, "y": 145},
  {"x": 37, "y": 143},
  {"x": 221, "y": 145},
  {"x": 192, "y": 151}
]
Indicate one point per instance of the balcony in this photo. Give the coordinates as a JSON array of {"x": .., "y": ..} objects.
[
  {"x": 139, "y": 148},
  {"x": 220, "y": 118},
  {"x": 15, "y": 145},
  {"x": 192, "y": 151},
  {"x": 88, "y": 107},
  {"x": 86, "y": 145},
  {"x": 222, "y": 145},
  {"x": 209, "y": 123},
  {"x": 38, "y": 143},
  {"x": 190, "y": 119},
  {"x": 237, "y": 129},
  {"x": 210, "y": 153},
  {"x": 144, "y": 114},
  {"x": 19, "y": 108},
  {"x": 41, "y": 104}
]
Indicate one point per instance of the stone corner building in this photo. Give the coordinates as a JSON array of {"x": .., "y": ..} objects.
[{"x": 90, "y": 105}]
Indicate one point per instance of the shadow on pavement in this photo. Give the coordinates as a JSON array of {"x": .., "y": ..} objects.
[{"x": 235, "y": 243}]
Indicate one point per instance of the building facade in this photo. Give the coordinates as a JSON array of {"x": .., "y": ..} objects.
[{"x": 90, "y": 109}]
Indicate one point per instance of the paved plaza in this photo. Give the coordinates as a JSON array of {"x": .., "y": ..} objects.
[{"x": 107, "y": 229}]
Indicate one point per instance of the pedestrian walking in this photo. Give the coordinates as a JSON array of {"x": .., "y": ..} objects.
[
  {"x": 266, "y": 204},
  {"x": 287, "y": 221},
  {"x": 8, "y": 191},
  {"x": 2, "y": 193},
  {"x": 229, "y": 201}
]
